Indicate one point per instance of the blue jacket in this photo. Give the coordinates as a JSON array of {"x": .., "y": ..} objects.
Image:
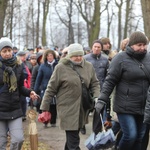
[
  {"x": 100, "y": 64},
  {"x": 44, "y": 74}
]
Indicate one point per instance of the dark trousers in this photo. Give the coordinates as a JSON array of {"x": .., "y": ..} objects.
[
  {"x": 72, "y": 140},
  {"x": 53, "y": 112}
]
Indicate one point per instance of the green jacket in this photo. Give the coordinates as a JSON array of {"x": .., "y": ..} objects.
[{"x": 66, "y": 85}]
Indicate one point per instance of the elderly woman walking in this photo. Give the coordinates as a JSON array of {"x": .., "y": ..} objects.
[{"x": 66, "y": 85}]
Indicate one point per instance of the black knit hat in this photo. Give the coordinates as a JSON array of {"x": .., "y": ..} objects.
[
  {"x": 98, "y": 41},
  {"x": 137, "y": 37}
]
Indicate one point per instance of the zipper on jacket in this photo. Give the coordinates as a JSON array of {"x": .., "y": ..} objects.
[{"x": 128, "y": 93}]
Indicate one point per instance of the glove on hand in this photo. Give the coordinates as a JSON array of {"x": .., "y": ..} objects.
[
  {"x": 99, "y": 106},
  {"x": 107, "y": 125}
]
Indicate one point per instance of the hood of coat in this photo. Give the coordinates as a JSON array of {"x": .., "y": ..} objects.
[{"x": 46, "y": 53}]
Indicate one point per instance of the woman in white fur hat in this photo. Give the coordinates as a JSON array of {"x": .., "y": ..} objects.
[{"x": 66, "y": 85}]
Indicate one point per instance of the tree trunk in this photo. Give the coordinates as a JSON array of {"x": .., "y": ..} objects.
[
  {"x": 37, "y": 24},
  {"x": 126, "y": 19},
  {"x": 94, "y": 25},
  {"x": 146, "y": 16},
  {"x": 71, "y": 32},
  {"x": 11, "y": 19},
  {"x": 3, "y": 7},
  {"x": 45, "y": 13}
]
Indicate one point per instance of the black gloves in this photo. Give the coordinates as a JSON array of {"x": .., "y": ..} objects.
[
  {"x": 97, "y": 123},
  {"x": 99, "y": 106}
]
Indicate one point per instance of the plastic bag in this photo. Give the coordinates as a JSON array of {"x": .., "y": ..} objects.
[{"x": 103, "y": 140}]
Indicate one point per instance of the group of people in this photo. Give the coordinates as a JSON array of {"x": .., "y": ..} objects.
[{"x": 119, "y": 82}]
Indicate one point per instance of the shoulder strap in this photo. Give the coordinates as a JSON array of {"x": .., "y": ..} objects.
[
  {"x": 141, "y": 66},
  {"x": 72, "y": 66}
]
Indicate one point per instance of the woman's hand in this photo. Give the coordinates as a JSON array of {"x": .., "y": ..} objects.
[{"x": 33, "y": 95}]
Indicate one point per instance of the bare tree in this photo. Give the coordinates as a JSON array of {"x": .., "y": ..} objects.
[
  {"x": 93, "y": 21},
  {"x": 37, "y": 24},
  {"x": 119, "y": 5},
  {"x": 3, "y": 7},
  {"x": 146, "y": 16},
  {"x": 11, "y": 18},
  {"x": 67, "y": 21},
  {"x": 126, "y": 18},
  {"x": 109, "y": 18},
  {"x": 45, "y": 13}
]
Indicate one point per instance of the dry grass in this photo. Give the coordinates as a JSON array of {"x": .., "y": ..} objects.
[{"x": 26, "y": 144}]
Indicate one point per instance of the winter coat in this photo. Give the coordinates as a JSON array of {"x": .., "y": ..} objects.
[
  {"x": 44, "y": 74},
  {"x": 147, "y": 108},
  {"x": 9, "y": 102},
  {"x": 34, "y": 75},
  {"x": 130, "y": 81},
  {"x": 66, "y": 85},
  {"x": 100, "y": 64}
]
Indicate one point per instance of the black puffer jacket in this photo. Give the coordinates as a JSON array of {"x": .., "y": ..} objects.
[
  {"x": 9, "y": 102},
  {"x": 147, "y": 108},
  {"x": 130, "y": 81}
]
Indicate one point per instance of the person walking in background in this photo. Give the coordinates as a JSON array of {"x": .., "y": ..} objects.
[
  {"x": 106, "y": 46},
  {"x": 123, "y": 44},
  {"x": 33, "y": 79},
  {"x": 99, "y": 62},
  {"x": 11, "y": 86},
  {"x": 87, "y": 50},
  {"x": 131, "y": 82},
  {"x": 66, "y": 85},
  {"x": 27, "y": 81},
  {"x": 15, "y": 50},
  {"x": 36, "y": 68},
  {"x": 32, "y": 60},
  {"x": 44, "y": 74},
  {"x": 64, "y": 52}
]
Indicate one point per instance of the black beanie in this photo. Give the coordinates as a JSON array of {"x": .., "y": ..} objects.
[
  {"x": 137, "y": 37},
  {"x": 98, "y": 41}
]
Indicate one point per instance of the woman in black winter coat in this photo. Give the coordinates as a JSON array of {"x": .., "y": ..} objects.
[
  {"x": 11, "y": 86},
  {"x": 126, "y": 74}
]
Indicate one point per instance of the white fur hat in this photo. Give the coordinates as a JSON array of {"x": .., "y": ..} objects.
[{"x": 75, "y": 50}]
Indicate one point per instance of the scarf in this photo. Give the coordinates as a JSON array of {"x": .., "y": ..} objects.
[
  {"x": 9, "y": 76},
  {"x": 135, "y": 54},
  {"x": 51, "y": 63}
]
